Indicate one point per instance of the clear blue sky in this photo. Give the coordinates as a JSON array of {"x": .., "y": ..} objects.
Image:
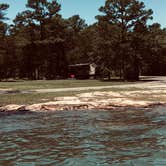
[{"x": 88, "y": 9}]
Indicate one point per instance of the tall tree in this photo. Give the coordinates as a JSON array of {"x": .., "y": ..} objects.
[
  {"x": 125, "y": 14},
  {"x": 3, "y": 30},
  {"x": 76, "y": 26},
  {"x": 3, "y": 8},
  {"x": 155, "y": 59},
  {"x": 41, "y": 31},
  {"x": 42, "y": 11}
]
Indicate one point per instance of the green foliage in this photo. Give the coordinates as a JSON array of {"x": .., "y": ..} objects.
[
  {"x": 3, "y": 8},
  {"x": 41, "y": 44},
  {"x": 125, "y": 16}
]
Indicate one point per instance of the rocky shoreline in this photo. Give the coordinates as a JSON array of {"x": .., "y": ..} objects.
[{"x": 94, "y": 101}]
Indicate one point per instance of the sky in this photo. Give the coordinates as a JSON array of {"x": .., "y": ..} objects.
[{"x": 88, "y": 9}]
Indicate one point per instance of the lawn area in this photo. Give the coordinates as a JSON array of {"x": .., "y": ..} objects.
[
  {"x": 42, "y": 84},
  {"x": 23, "y": 92},
  {"x": 30, "y": 98},
  {"x": 33, "y": 97}
]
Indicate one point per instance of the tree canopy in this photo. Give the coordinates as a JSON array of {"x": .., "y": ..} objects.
[{"x": 41, "y": 44}]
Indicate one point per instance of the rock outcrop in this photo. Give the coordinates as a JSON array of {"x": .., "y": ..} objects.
[{"x": 93, "y": 100}]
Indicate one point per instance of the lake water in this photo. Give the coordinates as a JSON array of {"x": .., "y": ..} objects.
[{"x": 120, "y": 137}]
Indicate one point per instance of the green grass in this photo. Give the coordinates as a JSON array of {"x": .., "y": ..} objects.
[
  {"x": 31, "y": 98},
  {"x": 31, "y": 85}
]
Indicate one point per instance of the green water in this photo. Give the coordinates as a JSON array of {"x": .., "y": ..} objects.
[{"x": 120, "y": 137}]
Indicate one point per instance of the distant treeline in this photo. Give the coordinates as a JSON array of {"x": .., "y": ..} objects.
[{"x": 40, "y": 44}]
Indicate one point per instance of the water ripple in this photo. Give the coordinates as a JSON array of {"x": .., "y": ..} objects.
[{"x": 79, "y": 138}]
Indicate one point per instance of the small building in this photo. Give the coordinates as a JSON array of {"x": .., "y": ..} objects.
[{"x": 82, "y": 71}]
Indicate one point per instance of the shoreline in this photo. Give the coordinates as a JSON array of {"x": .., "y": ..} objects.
[
  {"x": 136, "y": 95},
  {"x": 92, "y": 101},
  {"x": 51, "y": 109}
]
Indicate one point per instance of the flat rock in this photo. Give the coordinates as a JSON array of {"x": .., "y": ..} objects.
[
  {"x": 12, "y": 107},
  {"x": 94, "y": 100}
]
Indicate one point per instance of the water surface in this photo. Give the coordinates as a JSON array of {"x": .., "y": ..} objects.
[{"x": 120, "y": 137}]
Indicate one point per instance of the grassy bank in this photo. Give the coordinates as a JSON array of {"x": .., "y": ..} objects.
[
  {"x": 30, "y": 98},
  {"x": 45, "y": 84},
  {"x": 131, "y": 93}
]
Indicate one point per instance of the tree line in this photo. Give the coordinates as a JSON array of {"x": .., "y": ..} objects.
[{"x": 40, "y": 44}]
